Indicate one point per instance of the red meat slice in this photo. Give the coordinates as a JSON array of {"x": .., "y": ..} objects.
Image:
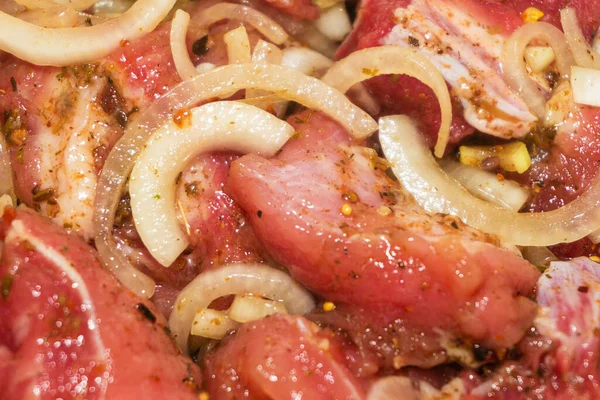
[
  {"x": 424, "y": 272},
  {"x": 280, "y": 357},
  {"x": 69, "y": 330}
]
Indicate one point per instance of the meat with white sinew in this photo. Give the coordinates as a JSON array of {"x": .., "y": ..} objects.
[{"x": 69, "y": 330}]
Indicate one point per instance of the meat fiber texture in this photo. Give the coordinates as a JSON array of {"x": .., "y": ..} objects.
[
  {"x": 69, "y": 330},
  {"x": 431, "y": 276}
]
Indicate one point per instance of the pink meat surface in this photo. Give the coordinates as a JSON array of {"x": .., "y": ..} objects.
[
  {"x": 422, "y": 272},
  {"x": 280, "y": 357},
  {"x": 69, "y": 330}
]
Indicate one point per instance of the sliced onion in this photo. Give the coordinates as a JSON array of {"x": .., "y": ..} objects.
[
  {"x": 585, "y": 83},
  {"x": 111, "y": 7},
  {"x": 265, "y": 25},
  {"x": 68, "y": 46},
  {"x": 218, "y": 126},
  {"x": 305, "y": 60},
  {"x": 515, "y": 69},
  {"x": 367, "y": 63},
  {"x": 595, "y": 237},
  {"x": 266, "y": 53},
  {"x": 287, "y": 83},
  {"x": 583, "y": 53},
  {"x": 238, "y": 46},
  {"x": 6, "y": 173},
  {"x": 255, "y": 279},
  {"x": 40, "y": 4},
  {"x": 486, "y": 186},
  {"x": 334, "y": 22},
  {"x": 540, "y": 256},
  {"x": 183, "y": 63},
  {"x": 437, "y": 192}
]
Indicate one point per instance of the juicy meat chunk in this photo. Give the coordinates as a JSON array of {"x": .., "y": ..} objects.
[
  {"x": 326, "y": 210},
  {"x": 280, "y": 357},
  {"x": 69, "y": 330}
]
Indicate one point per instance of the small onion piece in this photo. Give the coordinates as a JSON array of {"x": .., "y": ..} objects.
[
  {"x": 238, "y": 46},
  {"x": 585, "y": 83},
  {"x": 240, "y": 279},
  {"x": 515, "y": 69},
  {"x": 265, "y": 25},
  {"x": 307, "y": 61},
  {"x": 541, "y": 257},
  {"x": 250, "y": 308},
  {"x": 584, "y": 54},
  {"x": 334, "y": 22},
  {"x": 68, "y": 46},
  {"x": 486, "y": 186},
  {"x": 393, "y": 388},
  {"x": 287, "y": 83},
  {"x": 218, "y": 126},
  {"x": 183, "y": 63},
  {"x": 367, "y": 63},
  {"x": 212, "y": 324},
  {"x": 266, "y": 53},
  {"x": 437, "y": 192},
  {"x": 6, "y": 173}
]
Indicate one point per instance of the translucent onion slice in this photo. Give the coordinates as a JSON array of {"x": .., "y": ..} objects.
[
  {"x": 515, "y": 69},
  {"x": 79, "y": 5},
  {"x": 68, "y": 46},
  {"x": 6, "y": 174},
  {"x": 585, "y": 83},
  {"x": 486, "y": 185},
  {"x": 265, "y": 25},
  {"x": 334, "y": 22},
  {"x": 219, "y": 126},
  {"x": 393, "y": 388},
  {"x": 287, "y": 83},
  {"x": 212, "y": 324},
  {"x": 437, "y": 192},
  {"x": 583, "y": 53},
  {"x": 240, "y": 279},
  {"x": 266, "y": 53},
  {"x": 250, "y": 308},
  {"x": 238, "y": 46},
  {"x": 305, "y": 60},
  {"x": 183, "y": 63},
  {"x": 595, "y": 237},
  {"x": 367, "y": 63}
]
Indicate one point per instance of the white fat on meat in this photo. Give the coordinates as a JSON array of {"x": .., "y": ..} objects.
[
  {"x": 67, "y": 156},
  {"x": 468, "y": 56}
]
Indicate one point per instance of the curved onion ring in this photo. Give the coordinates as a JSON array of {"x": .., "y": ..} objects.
[
  {"x": 78, "y": 5},
  {"x": 219, "y": 126},
  {"x": 515, "y": 70},
  {"x": 583, "y": 53},
  {"x": 435, "y": 191},
  {"x": 287, "y": 83},
  {"x": 255, "y": 279},
  {"x": 6, "y": 174},
  {"x": 68, "y": 46},
  {"x": 265, "y": 25},
  {"x": 183, "y": 64},
  {"x": 367, "y": 63}
]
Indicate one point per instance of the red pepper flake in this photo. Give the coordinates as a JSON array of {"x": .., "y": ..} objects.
[{"x": 583, "y": 289}]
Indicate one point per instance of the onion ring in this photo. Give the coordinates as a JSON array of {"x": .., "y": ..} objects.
[
  {"x": 265, "y": 25},
  {"x": 374, "y": 61},
  {"x": 437, "y": 192},
  {"x": 287, "y": 83},
  {"x": 515, "y": 70},
  {"x": 67, "y": 46},
  {"x": 183, "y": 64},
  {"x": 583, "y": 53},
  {"x": 219, "y": 126},
  {"x": 238, "y": 279}
]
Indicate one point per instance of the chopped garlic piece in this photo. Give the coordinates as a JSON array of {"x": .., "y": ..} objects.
[
  {"x": 238, "y": 46},
  {"x": 212, "y": 324},
  {"x": 539, "y": 58},
  {"x": 251, "y": 308},
  {"x": 513, "y": 156},
  {"x": 532, "y": 14}
]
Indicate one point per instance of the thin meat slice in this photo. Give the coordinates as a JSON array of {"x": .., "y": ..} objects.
[
  {"x": 69, "y": 330},
  {"x": 280, "y": 357},
  {"x": 327, "y": 211}
]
